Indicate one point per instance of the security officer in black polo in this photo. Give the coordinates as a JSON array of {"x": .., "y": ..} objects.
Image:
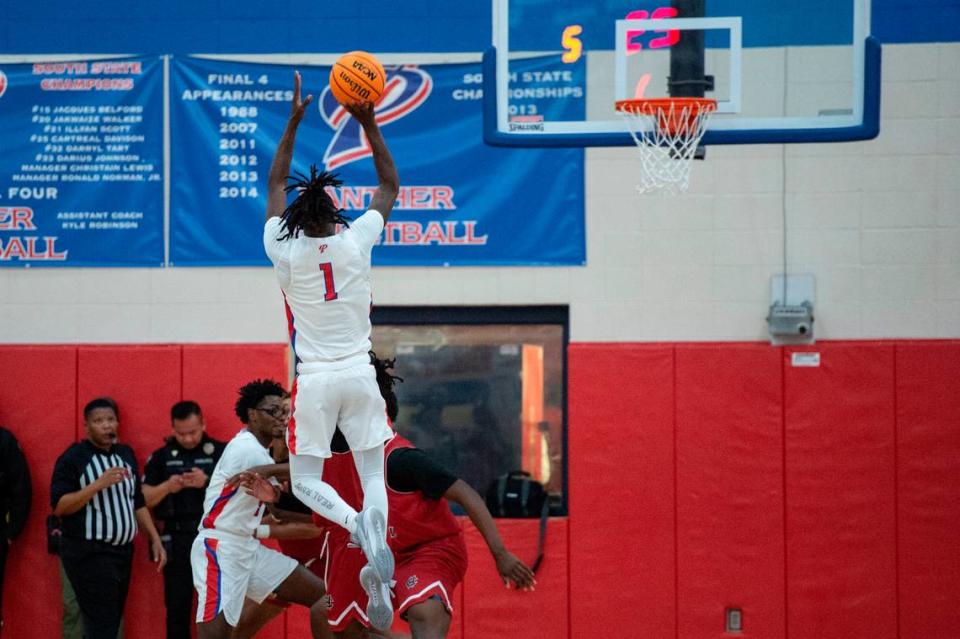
[{"x": 174, "y": 482}]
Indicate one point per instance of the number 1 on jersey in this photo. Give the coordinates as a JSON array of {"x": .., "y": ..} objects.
[{"x": 331, "y": 293}]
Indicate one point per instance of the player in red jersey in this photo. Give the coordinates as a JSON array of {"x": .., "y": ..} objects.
[{"x": 427, "y": 540}]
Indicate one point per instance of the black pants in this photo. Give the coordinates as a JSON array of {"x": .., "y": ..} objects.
[
  {"x": 178, "y": 583},
  {"x": 100, "y": 576}
]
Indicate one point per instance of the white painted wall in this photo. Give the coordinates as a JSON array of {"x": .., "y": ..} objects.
[{"x": 877, "y": 223}]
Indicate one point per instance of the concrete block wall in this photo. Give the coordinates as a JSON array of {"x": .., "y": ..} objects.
[{"x": 877, "y": 223}]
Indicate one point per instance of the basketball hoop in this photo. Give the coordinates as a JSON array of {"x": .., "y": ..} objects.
[{"x": 667, "y": 132}]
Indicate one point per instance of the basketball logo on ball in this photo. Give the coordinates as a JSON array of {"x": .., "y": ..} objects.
[{"x": 357, "y": 77}]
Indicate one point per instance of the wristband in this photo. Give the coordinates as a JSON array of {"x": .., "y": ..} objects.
[{"x": 262, "y": 531}]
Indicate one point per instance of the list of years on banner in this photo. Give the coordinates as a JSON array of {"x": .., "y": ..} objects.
[
  {"x": 87, "y": 145},
  {"x": 238, "y": 165},
  {"x": 237, "y": 160}
]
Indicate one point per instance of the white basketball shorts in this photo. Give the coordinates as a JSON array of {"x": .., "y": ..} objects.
[
  {"x": 324, "y": 399},
  {"x": 226, "y": 571}
]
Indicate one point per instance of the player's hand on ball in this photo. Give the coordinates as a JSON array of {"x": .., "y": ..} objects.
[
  {"x": 513, "y": 570},
  {"x": 298, "y": 107},
  {"x": 363, "y": 112}
]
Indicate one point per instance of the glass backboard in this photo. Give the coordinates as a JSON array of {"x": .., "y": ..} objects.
[{"x": 780, "y": 71}]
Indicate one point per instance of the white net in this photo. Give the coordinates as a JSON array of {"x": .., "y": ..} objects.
[{"x": 667, "y": 133}]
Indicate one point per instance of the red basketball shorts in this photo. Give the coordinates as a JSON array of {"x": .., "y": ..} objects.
[{"x": 432, "y": 569}]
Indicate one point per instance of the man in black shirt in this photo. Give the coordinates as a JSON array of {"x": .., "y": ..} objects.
[
  {"x": 96, "y": 492},
  {"x": 14, "y": 499},
  {"x": 174, "y": 482}
]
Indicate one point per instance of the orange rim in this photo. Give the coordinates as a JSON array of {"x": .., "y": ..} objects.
[{"x": 674, "y": 115}]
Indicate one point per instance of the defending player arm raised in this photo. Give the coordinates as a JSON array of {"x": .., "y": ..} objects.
[
  {"x": 280, "y": 168},
  {"x": 389, "y": 186}
]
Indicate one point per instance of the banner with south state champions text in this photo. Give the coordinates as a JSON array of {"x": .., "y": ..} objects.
[
  {"x": 81, "y": 167},
  {"x": 461, "y": 202}
]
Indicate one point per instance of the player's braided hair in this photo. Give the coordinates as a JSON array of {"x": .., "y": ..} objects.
[
  {"x": 253, "y": 393},
  {"x": 313, "y": 204},
  {"x": 386, "y": 381}
]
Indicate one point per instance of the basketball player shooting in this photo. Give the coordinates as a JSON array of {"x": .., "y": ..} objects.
[{"x": 325, "y": 278}]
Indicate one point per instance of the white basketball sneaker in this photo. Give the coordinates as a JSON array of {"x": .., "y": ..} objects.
[{"x": 371, "y": 536}]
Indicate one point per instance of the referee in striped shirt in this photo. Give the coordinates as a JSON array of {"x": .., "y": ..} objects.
[{"x": 96, "y": 492}]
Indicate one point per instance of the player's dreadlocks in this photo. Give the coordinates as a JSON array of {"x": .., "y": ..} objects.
[
  {"x": 386, "y": 382},
  {"x": 313, "y": 205}
]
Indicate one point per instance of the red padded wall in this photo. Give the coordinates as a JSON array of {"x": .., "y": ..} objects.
[
  {"x": 729, "y": 425},
  {"x": 215, "y": 373},
  {"x": 621, "y": 489},
  {"x": 841, "y": 542},
  {"x": 42, "y": 397},
  {"x": 491, "y": 611},
  {"x": 873, "y": 419},
  {"x": 38, "y": 404},
  {"x": 145, "y": 382},
  {"x": 928, "y": 473}
]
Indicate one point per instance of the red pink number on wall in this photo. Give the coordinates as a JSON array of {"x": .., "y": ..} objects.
[{"x": 669, "y": 38}]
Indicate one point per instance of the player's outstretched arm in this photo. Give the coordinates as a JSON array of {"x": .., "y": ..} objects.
[
  {"x": 280, "y": 472},
  {"x": 511, "y": 569},
  {"x": 280, "y": 167},
  {"x": 389, "y": 186}
]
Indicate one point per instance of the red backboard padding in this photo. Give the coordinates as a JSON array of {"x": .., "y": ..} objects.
[
  {"x": 215, "y": 373},
  {"x": 621, "y": 489},
  {"x": 491, "y": 611},
  {"x": 729, "y": 424},
  {"x": 928, "y": 474},
  {"x": 840, "y": 487},
  {"x": 38, "y": 404}
]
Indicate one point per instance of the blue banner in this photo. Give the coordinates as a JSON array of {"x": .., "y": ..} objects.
[
  {"x": 81, "y": 173},
  {"x": 461, "y": 202}
]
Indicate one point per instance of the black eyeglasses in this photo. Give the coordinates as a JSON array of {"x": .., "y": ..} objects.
[{"x": 277, "y": 412}]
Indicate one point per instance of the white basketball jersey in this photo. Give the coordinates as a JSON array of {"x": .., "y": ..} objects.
[
  {"x": 229, "y": 509},
  {"x": 326, "y": 283}
]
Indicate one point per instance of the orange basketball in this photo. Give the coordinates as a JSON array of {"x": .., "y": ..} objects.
[{"x": 357, "y": 77}]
